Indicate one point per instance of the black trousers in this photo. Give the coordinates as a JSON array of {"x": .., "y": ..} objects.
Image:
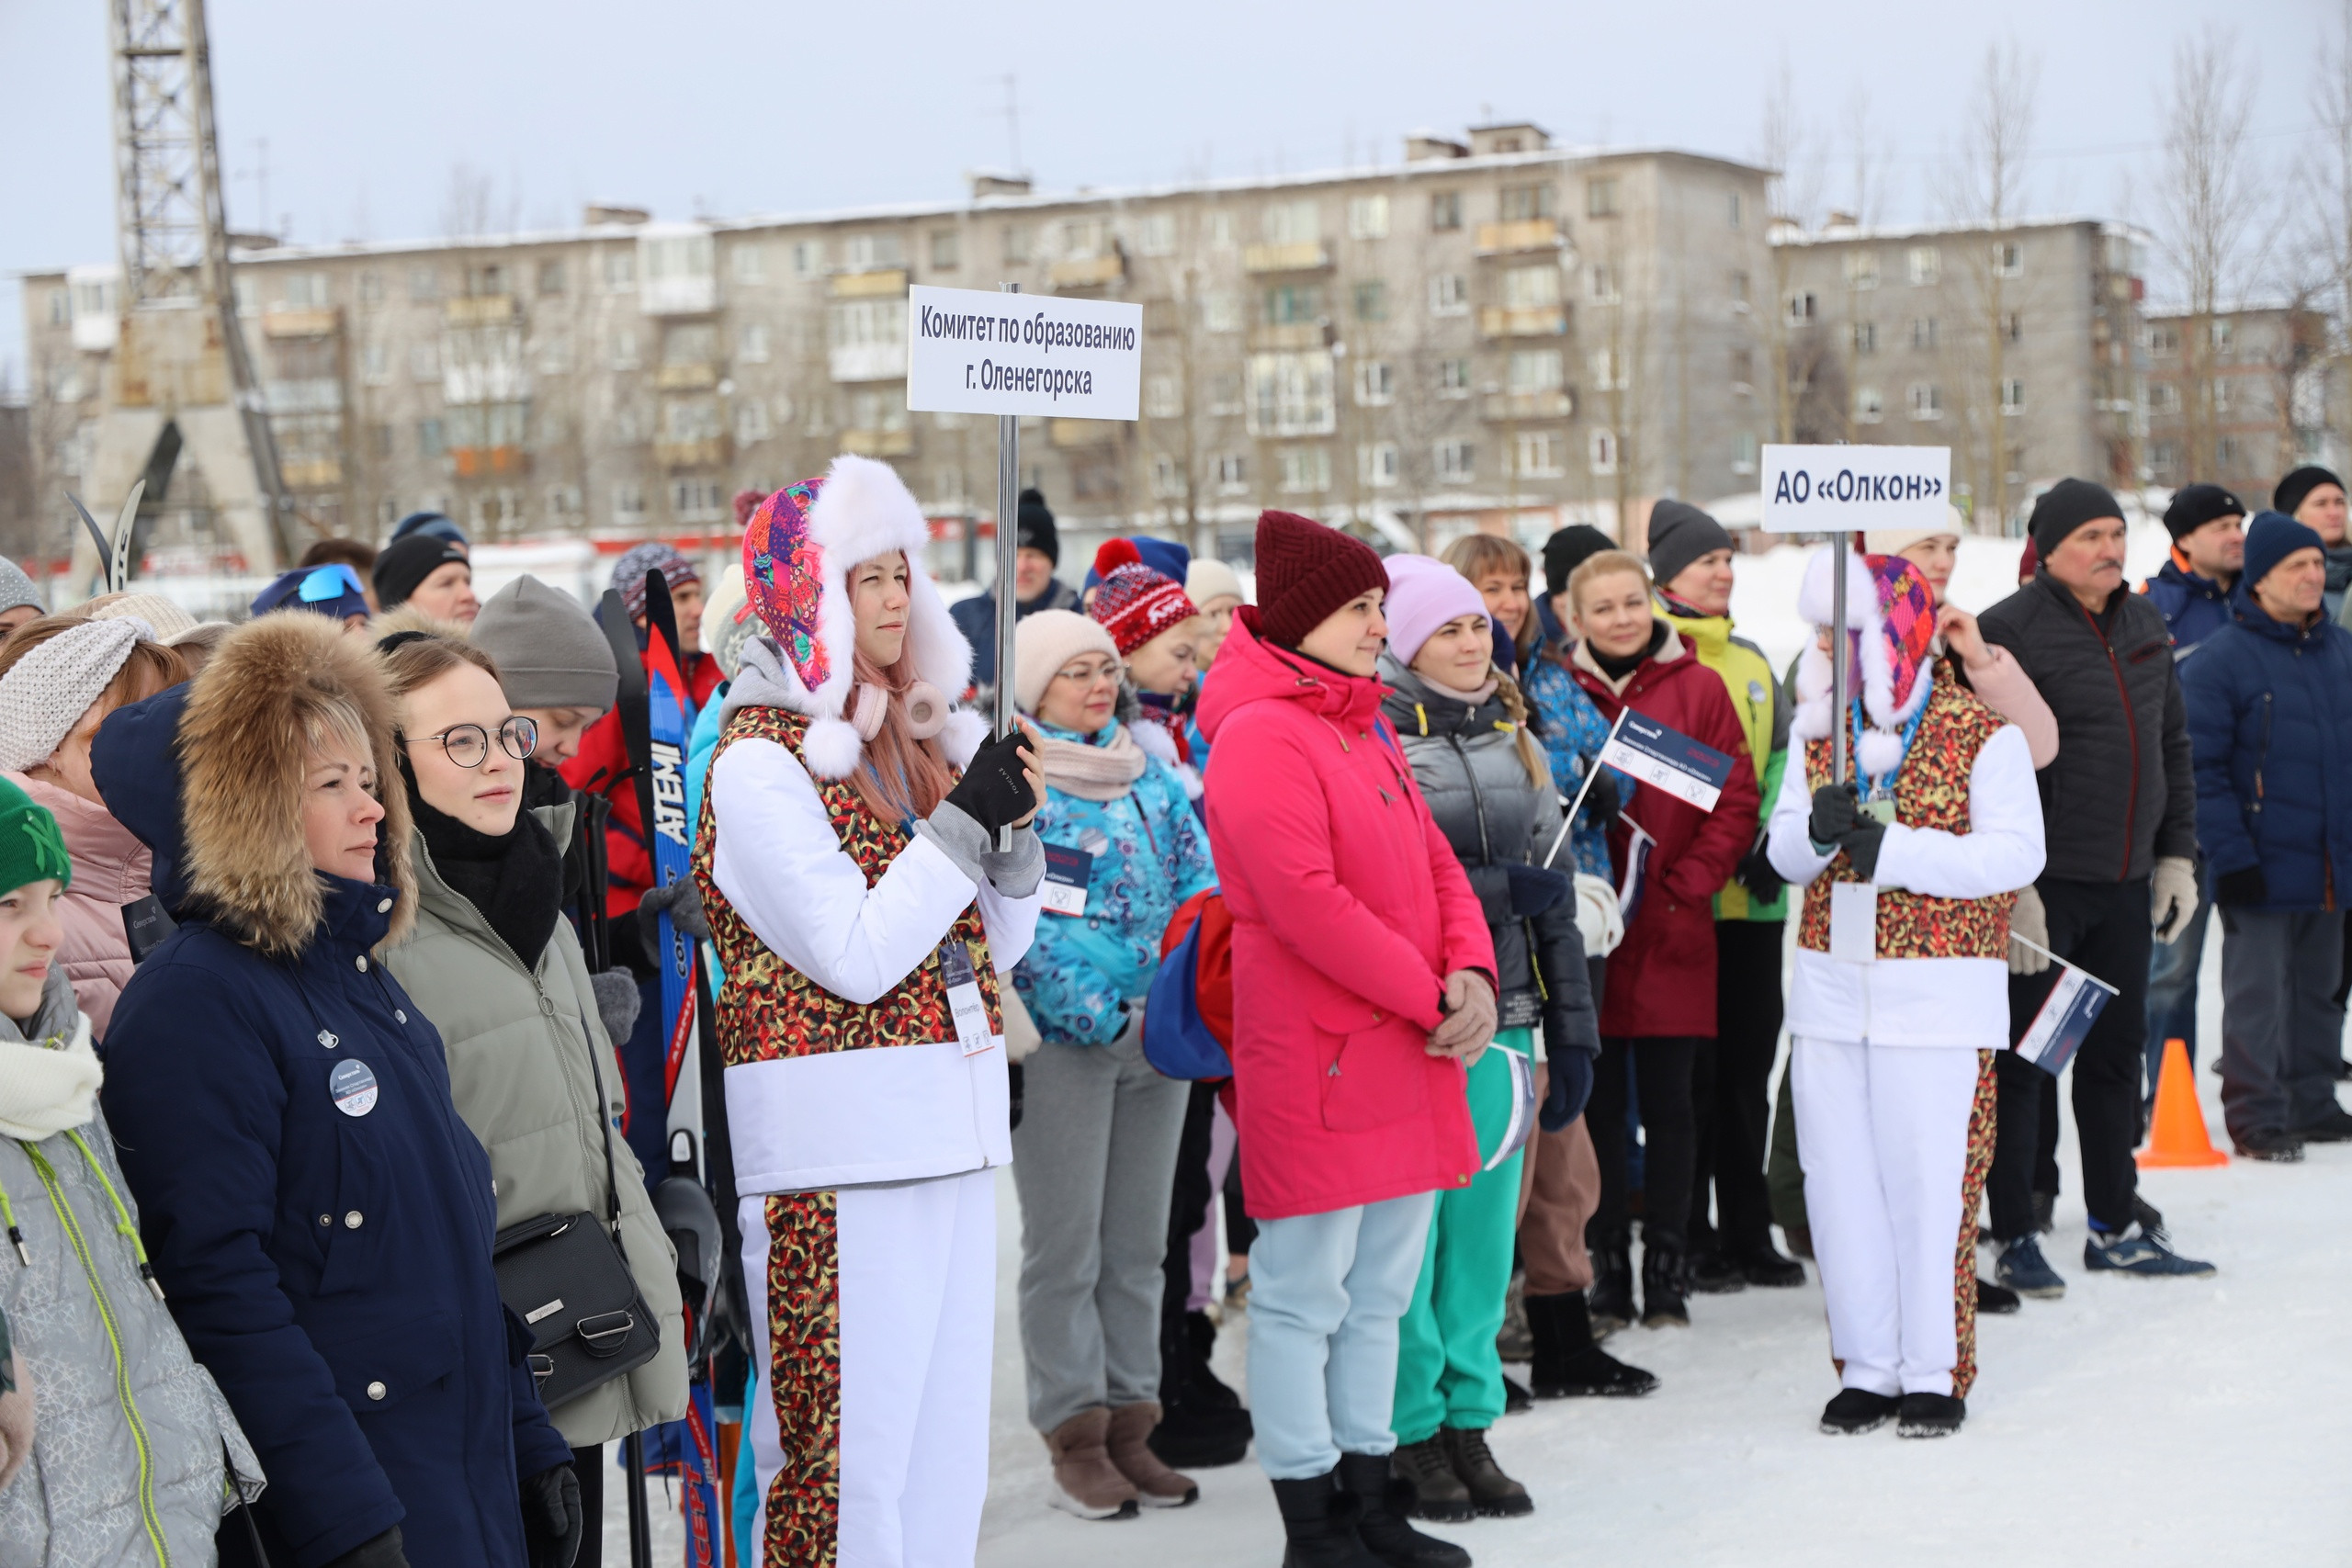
[
  {"x": 1731, "y": 1090},
  {"x": 1187, "y": 1209},
  {"x": 588, "y": 1464},
  {"x": 2104, "y": 927},
  {"x": 1661, "y": 1067}
]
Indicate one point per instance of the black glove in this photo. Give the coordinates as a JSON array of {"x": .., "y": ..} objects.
[
  {"x": 1757, "y": 875},
  {"x": 1570, "y": 1087},
  {"x": 682, "y": 899},
  {"x": 1861, "y": 846},
  {"x": 552, "y": 1523},
  {"x": 1012, "y": 1072},
  {"x": 1835, "y": 808},
  {"x": 994, "y": 791},
  {"x": 384, "y": 1551},
  {"x": 1536, "y": 888},
  {"x": 2235, "y": 888},
  {"x": 1601, "y": 802}
]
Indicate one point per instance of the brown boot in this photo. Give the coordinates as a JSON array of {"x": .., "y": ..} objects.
[
  {"x": 1085, "y": 1481},
  {"x": 1157, "y": 1487}
]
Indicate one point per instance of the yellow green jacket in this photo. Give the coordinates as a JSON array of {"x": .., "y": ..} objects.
[{"x": 1763, "y": 712}]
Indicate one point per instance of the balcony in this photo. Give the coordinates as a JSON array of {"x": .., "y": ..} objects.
[
  {"x": 686, "y": 378},
  {"x": 321, "y": 394},
  {"x": 488, "y": 462},
  {"x": 1089, "y": 272},
  {"x": 868, "y": 361},
  {"x": 478, "y": 311},
  {"x": 282, "y": 322},
  {"x": 889, "y": 283},
  {"x": 1067, "y": 432},
  {"x": 1290, "y": 336},
  {"x": 1522, "y": 321},
  {"x": 896, "y": 443},
  {"x": 1512, "y": 406},
  {"x": 1525, "y": 235},
  {"x": 707, "y": 452},
  {"x": 311, "y": 473},
  {"x": 1306, "y": 255}
]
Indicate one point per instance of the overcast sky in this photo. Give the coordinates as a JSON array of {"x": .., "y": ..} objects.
[{"x": 728, "y": 107}]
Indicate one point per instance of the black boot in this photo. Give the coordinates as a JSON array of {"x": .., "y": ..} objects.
[
  {"x": 1567, "y": 1363},
  {"x": 1665, "y": 1295},
  {"x": 1320, "y": 1526},
  {"x": 1381, "y": 1525},
  {"x": 1611, "y": 1295},
  {"x": 1202, "y": 1424}
]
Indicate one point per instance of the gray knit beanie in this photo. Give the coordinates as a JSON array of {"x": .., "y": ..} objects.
[
  {"x": 1679, "y": 534},
  {"x": 17, "y": 590},
  {"x": 550, "y": 653},
  {"x": 45, "y": 693}
]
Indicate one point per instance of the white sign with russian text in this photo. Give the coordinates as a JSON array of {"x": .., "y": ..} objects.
[
  {"x": 1829, "y": 489},
  {"x": 969, "y": 350}
]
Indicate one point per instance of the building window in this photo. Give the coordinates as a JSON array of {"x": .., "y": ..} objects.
[
  {"x": 620, "y": 269},
  {"x": 1376, "y": 465},
  {"x": 807, "y": 257},
  {"x": 1445, "y": 212},
  {"x": 1800, "y": 308},
  {"x": 424, "y": 284},
  {"x": 2013, "y": 327},
  {"x": 1372, "y": 300},
  {"x": 869, "y": 252},
  {"x": 2164, "y": 340},
  {"x": 1306, "y": 470},
  {"x": 1521, "y": 204},
  {"x": 2164, "y": 455},
  {"x": 1861, "y": 269},
  {"x": 1600, "y": 198},
  {"x": 430, "y": 442},
  {"x": 696, "y": 344},
  {"x": 751, "y": 262},
  {"x": 622, "y": 349},
  {"x": 1290, "y": 394},
  {"x": 379, "y": 442},
  {"x": 1225, "y": 394},
  {"x": 1532, "y": 288},
  {"x": 425, "y": 361},
  {"x": 628, "y": 504},
  {"x": 1734, "y": 210},
  {"x": 1603, "y": 285},
  {"x": 1449, "y": 295},
  {"x": 2009, "y": 260},
  {"x": 2220, "y": 397},
  {"x": 1610, "y": 369},
  {"x": 1232, "y": 473},
  {"x": 1541, "y": 455},
  {"x": 1293, "y": 305},
  {"x": 1865, "y": 337},
  {"x": 1536, "y": 370},
  {"x": 1291, "y": 222},
  {"x": 1601, "y": 452},
  {"x": 1167, "y": 478},
  {"x": 555, "y": 353},
  {"x": 1221, "y": 311},
  {"x": 1456, "y": 462},
  {"x": 1869, "y": 405},
  {"x": 60, "y": 307},
  {"x": 1922, "y": 332},
  {"x": 1154, "y": 235},
  {"x": 2013, "y": 396},
  {"x": 751, "y": 421},
  {"x": 1016, "y": 244},
  {"x": 1739, "y": 291},
  {"x": 2225, "y": 333},
  {"x": 374, "y": 363},
  {"x": 752, "y": 344},
  {"x": 2225, "y": 453},
  {"x": 1743, "y": 452},
  {"x": 699, "y": 501},
  {"x": 550, "y": 282},
  {"x": 1376, "y": 384},
  {"x": 563, "y": 501},
  {"x": 1220, "y": 230},
  {"x": 1163, "y": 398},
  {"x": 1368, "y": 218},
  {"x": 1927, "y": 401},
  {"x": 1453, "y": 378},
  {"x": 1927, "y": 267},
  {"x": 1743, "y": 371}
]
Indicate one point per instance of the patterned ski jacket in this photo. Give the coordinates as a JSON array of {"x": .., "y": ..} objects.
[{"x": 1573, "y": 732}]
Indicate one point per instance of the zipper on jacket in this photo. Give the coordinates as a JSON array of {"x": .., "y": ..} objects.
[
  {"x": 2131, "y": 727},
  {"x": 2262, "y": 755},
  {"x": 148, "y": 1518}
]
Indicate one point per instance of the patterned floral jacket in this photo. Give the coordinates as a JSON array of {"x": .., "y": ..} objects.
[{"x": 1573, "y": 733}]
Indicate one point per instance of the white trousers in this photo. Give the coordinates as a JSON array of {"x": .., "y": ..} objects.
[
  {"x": 916, "y": 1270},
  {"x": 1884, "y": 1134}
]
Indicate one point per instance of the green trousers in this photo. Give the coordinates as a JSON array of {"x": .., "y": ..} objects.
[
  {"x": 1447, "y": 1372},
  {"x": 1783, "y": 1176}
]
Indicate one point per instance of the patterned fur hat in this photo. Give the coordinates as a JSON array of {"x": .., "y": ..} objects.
[{"x": 1891, "y": 616}]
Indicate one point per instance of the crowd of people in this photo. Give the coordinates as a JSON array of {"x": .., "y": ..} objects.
[{"x": 333, "y": 1056}]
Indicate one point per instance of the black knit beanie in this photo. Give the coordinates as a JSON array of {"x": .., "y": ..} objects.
[
  {"x": 1568, "y": 550},
  {"x": 2067, "y": 506},
  {"x": 406, "y": 563},
  {"x": 1681, "y": 533},
  {"x": 1035, "y": 525},
  {"x": 2295, "y": 487},
  {"x": 2193, "y": 506}
]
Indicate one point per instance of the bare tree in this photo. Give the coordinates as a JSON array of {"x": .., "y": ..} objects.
[
  {"x": 1984, "y": 189},
  {"x": 2325, "y": 178},
  {"x": 1789, "y": 150}
]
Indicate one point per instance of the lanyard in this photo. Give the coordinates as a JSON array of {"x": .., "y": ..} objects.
[{"x": 1883, "y": 786}]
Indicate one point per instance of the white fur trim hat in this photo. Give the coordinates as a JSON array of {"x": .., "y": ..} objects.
[
  {"x": 1043, "y": 641},
  {"x": 1890, "y": 618},
  {"x": 46, "y": 693}
]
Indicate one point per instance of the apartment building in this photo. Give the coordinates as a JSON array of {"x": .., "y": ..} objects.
[
  {"x": 1495, "y": 333},
  {"x": 2240, "y": 395}
]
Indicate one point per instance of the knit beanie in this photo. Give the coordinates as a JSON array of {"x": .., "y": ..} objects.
[
  {"x": 433, "y": 526},
  {"x": 549, "y": 652},
  {"x": 1569, "y": 548},
  {"x": 2295, "y": 487},
  {"x": 746, "y": 503},
  {"x": 2270, "y": 538},
  {"x": 406, "y": 563},
  {"x": 1137, "y": 604},
  {"x": 628, "y": 572},
  {"x": 1035, "y": 526},
  {"x": 1043, "y": 642},
  {"x": 1207, "y": 580},
  {"x": 728, "y": 621},
  {"x": 164, "y": 619},
  {"x": 1894, "y": 541},
  {"x": 45, "y": 693},
  {"x": 2193, "y": 506},
  {"x": 32, "y": 847},
  {"x": 331, "y": 590},
  {"x": 1423, "y": 594},
  {"x": 17, "y": 590},
  {"x": 1170, "y": 559},
  {"x": 2065, "y": 507},
  {"x": 1679, "y": 534},
  {"x": 1306, "y": 572}
]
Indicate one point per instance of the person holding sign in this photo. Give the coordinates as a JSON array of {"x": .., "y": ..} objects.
[
  {"x": 1099, "y": 1127},
  {"x": 1671, "y": 854},
  {"x": 865, "y": 916},
  {"x": 1910, "y": 870}
]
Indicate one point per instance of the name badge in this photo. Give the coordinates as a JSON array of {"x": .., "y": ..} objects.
[
  {"x": 144, "y": 926},
  {"x": 353, "y": 1086},
  {"x": 1069, "y": 873},
  {"x": 964, "y": 1000},
  {"x": 1853, "y": 922}
]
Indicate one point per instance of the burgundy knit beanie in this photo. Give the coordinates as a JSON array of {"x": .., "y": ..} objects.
[{"x": 1305, "y": 571}]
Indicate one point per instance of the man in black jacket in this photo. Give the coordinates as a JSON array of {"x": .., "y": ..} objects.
[{"x": 2120, "y": 814}]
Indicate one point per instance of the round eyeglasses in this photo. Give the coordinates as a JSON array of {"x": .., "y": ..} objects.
[{"x": 468, "y": 745}]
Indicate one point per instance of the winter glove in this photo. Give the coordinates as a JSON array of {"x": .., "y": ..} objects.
[
  {"x": 552, "y": 1523},
  {"x": 2234, "y": 889},
  {"x": 617, "y": 1002},
  {"x": 1836, "y": 809},
  {"x": 1861, "y": 846},
  {"x": 384, "y": 1551},
  {"x": 1601, "y": 802},
  {"x": 683, "y": 900},
  {"x": 994, "y": 791},
  {"x": 1469, "y": 1022},
  {"x": 2172, "y": 895},
  {"x": 1570, "y": 1087},
  {"x": 2029, "y": 922},
  {"x": 1014, "y": 1072},
  {"x": 1757, "y": 874},
  {"x": 1599, "y": 920},
  {"x": 1536, "y": 888}
]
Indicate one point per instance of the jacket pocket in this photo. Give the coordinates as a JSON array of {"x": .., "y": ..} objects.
[
  {"x": 1372, "y": 1066},
  {"x": 380, "y": 1362}
]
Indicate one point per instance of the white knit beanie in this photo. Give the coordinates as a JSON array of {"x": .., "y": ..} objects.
[
  {"x": 1044, "y": 642},
  {"x": 1207, "y": 579},
  {"x": 165, "y": 620},
  {"x": 46, "y": 693}
]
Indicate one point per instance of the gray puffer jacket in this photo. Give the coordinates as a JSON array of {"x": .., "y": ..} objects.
[
  {"x": 132, "y": 1442},
  {"x": 518, "y": 1042},
  {"x": 1466, "y": 761}
]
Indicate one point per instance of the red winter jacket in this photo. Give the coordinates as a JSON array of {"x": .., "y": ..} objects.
[
  {"x": 601, "y": 768},
  {"x": 1662, "y": 978},
  {"x": 1349, "y": 911}
]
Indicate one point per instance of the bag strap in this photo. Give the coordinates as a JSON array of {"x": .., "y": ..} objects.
[{"x": 605, "y": 1130}]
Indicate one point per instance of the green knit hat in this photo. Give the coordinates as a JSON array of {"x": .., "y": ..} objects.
[{"x": 31, "y": 848}]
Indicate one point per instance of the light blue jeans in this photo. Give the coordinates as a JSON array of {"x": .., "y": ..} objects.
[{"x": 1326, "y": 1291}]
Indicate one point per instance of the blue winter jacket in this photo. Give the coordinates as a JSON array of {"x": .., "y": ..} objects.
[
  {"x": 330, "y": 1265},
  {"x": 1150, "y": 854},
  {"x": 2193, "y": 606},
  {"x": 2270, "y": 729},
  {"x": 1573, "y": 732}
]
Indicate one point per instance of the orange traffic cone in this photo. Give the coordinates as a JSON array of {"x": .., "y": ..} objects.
[{"x": 2178, "y": 1136}]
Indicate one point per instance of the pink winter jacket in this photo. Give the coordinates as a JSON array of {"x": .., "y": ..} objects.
[
  {"x": 110, "y": 869},
  {"x": 1350, "y": 909}
]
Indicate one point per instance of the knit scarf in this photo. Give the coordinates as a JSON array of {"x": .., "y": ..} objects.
[
  {"x": 49, "y": 1075},
  {"x": 1101, "y": 771},
  {"x": 515, "y": 878}
]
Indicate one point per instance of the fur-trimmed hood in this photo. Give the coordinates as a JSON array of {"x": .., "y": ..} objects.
[
  {"x": 797, "y": 553},
  {"x": 209, "y": 777}
]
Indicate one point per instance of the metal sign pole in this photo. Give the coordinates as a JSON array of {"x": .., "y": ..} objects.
[
  {"x": 1007, "y": 553},
  {"x": 1838, "y": 674}
]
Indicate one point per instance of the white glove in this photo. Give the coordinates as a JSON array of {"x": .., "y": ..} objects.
[
  {"x": 2028, "y": 920},
  {"x": 2172, "y": 896},
  {"x": 1599, "y": 920}
]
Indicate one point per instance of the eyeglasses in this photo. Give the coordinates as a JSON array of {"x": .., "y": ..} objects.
[
  {"x": 1087, "y": 674},
  {"x": 468, "y": 745}
]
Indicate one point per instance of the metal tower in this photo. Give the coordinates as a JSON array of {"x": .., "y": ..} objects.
[{"x": 183, "y": 388}]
